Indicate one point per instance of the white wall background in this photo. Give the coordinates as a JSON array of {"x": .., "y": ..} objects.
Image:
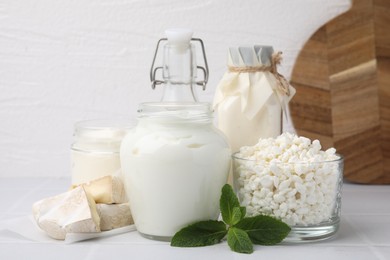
[{"x": 62, "y": 61}]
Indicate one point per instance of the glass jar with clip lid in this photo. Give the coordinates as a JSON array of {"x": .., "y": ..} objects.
[{"x": 175, "y": 161}]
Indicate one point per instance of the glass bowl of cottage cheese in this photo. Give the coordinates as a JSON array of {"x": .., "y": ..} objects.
[{"x": 291, "y": 178}]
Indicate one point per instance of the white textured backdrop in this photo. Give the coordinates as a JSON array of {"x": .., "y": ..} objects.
[{"x": 70, "y": 60}]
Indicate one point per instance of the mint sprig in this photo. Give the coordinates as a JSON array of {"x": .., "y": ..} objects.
[{"x": 241, "y": 232}]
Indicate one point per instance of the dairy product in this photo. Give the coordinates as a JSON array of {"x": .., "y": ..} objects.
[
  {"x": 87, "y": 166},
  {"x": 251, "y": 95},
  {"x": 175, "y": 162},
  {"x": 243, "y": 131},
  {"x": 95, "y": 151},
  {"x": 174, "y": 169},
  {"x": 70, "y": 212},
  {"x": 108, "y": 189},
  {"x": 76, "y": 211},
  {"x": 114, "y": 215},
  {"x": 289, "y": 177}
]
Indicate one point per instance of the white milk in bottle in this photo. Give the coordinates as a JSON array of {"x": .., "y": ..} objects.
[
  {"x": 175, "y": 162},
  {"x": 251, "y": 96}
]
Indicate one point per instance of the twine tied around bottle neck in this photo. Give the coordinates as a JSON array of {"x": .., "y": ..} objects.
[{"x": 275, "y": 60}]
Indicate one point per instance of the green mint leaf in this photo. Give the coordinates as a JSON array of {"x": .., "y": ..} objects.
[
  {"x": 236, "y": 215},
  {"x": 227, "y": 203},
  {"x": 203, "y": 233},
  {"x": 243, "y": 212},
  {"x": 264, "y": 230},
  {"x": 239, "y": 241}
]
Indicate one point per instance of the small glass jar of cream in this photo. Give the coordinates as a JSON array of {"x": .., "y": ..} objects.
[{"x": 95, "y": 149}]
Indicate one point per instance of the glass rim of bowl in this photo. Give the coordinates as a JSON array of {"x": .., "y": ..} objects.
[{"x": 338, "y": 160}]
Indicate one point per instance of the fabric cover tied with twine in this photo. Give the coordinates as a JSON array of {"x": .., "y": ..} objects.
[{"x": 252, "y": 75}]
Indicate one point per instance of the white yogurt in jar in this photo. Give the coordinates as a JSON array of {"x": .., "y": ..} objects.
[
  {"x": 95, "y": 150},
  {"x": 174, "y": 169},
  {"x": 87, "y": 166}
]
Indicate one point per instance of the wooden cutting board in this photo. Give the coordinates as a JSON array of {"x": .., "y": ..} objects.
[{"x": 342, "y": 77}]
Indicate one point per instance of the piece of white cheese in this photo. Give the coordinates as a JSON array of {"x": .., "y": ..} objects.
[
  {"x": 114, "y": 215},
  {"x": 70, "y": 212},
  {"x": 108, "y": 190}
]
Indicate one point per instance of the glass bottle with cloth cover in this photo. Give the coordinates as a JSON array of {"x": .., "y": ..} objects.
[{"x": 251, "y": 97}]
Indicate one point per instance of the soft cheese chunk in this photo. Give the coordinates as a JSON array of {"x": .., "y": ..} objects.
[
  {"x": 108, "y": 190},
  {"x": 114, "y": 216},
  {"x": 70, "y": 212}
]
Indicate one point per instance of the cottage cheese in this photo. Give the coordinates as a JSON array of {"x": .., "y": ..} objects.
[{"x": 289, "y": 177}]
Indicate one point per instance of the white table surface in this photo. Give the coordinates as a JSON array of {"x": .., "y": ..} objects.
[{"x": 364, "y": 231}]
